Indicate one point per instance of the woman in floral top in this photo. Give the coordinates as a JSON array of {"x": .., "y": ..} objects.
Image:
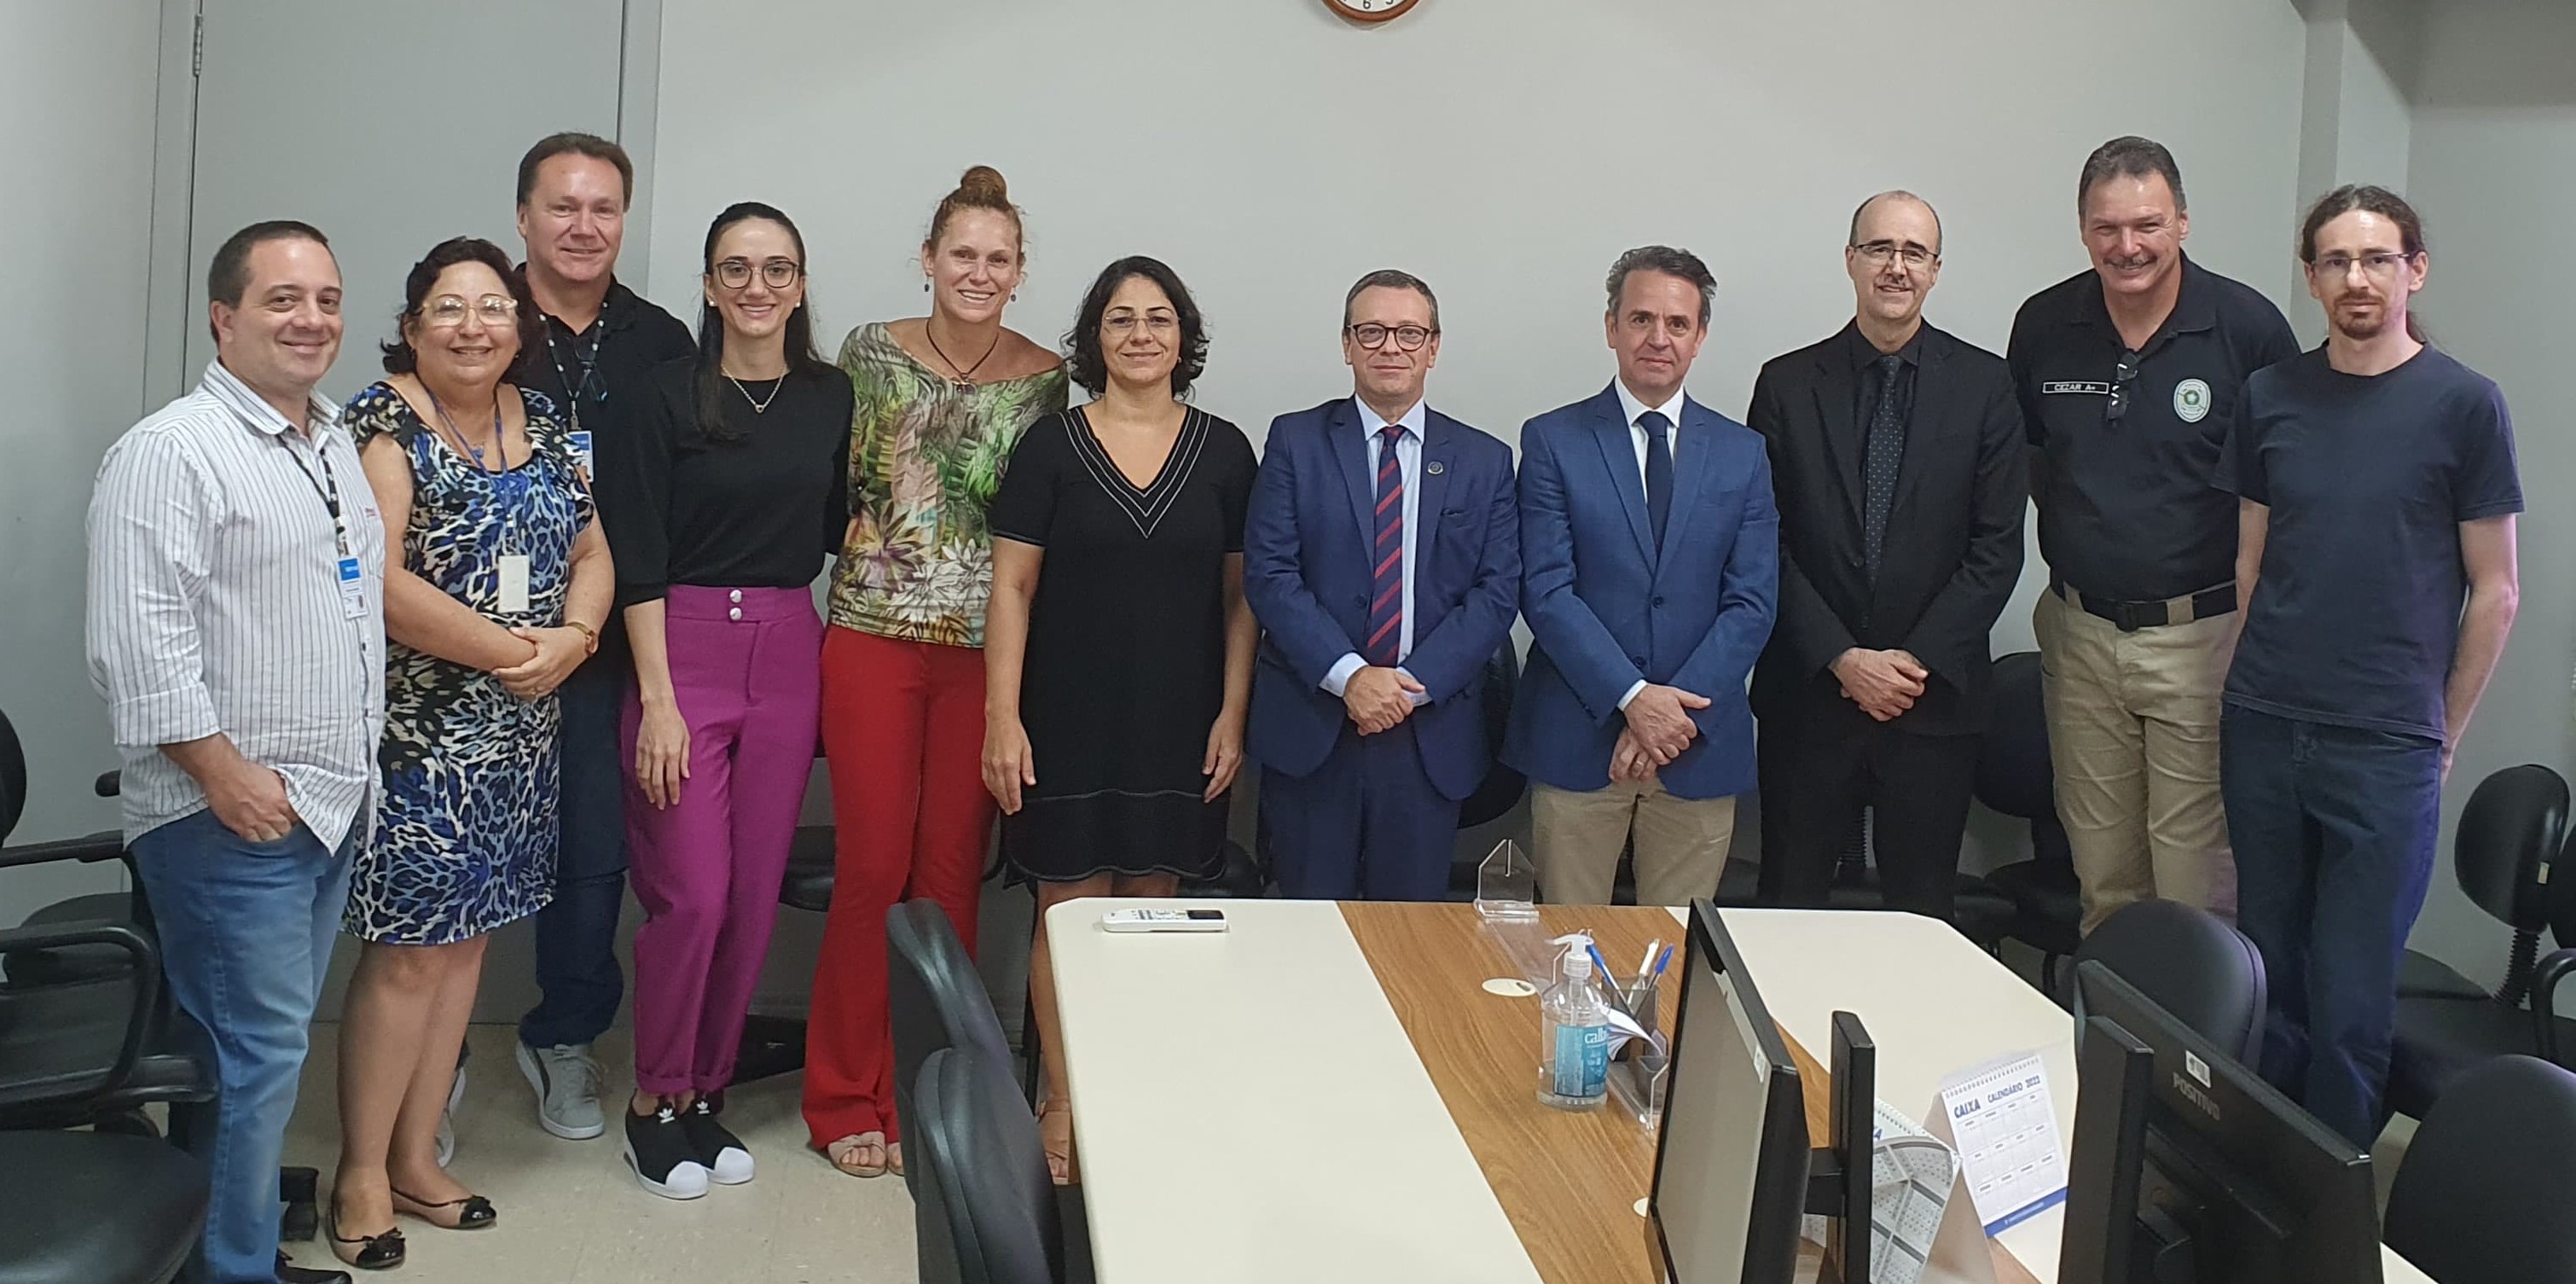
[{"x": 941, "y": 402}]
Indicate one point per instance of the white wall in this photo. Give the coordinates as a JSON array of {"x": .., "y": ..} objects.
[
  {"x": 2492, "y": 168},
  {"x": 76, "y": 91}
]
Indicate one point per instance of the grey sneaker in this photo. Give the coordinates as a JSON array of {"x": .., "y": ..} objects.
[
  {"x": 567, "y": 1084},
  {"x": 447, "y": 1118}
]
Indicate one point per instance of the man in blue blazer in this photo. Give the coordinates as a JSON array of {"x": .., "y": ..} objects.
[
  {"x": 1381, "y": 553},
  {"x": 1650, "y": 550}
]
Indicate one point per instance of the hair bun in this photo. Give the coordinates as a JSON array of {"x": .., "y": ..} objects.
[{"x": 982, "y": 183}]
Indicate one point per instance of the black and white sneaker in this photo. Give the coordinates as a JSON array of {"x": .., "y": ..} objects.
[
  {"x": 726, "y": 1160},
  {"x": 659, "y": 1153}
]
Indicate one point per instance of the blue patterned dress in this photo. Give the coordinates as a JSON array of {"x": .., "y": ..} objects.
[{"x": 466, "y": 816}]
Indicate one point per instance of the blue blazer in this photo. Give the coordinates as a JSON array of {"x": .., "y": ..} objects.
[
  {"x": 1604, "y": 612},
  {"x": 1307, "y": 572}
]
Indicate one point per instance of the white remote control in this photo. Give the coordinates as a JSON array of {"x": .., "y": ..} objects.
[{"x": 1163, "y": 920}]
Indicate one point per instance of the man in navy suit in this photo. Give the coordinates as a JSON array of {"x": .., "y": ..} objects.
[
  {"x": 1381, "y": 553},
  {"x": 1651, "y": 562}
]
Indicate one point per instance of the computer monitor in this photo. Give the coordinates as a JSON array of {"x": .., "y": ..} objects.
[
  {"x": 2189, "y": 1169},
  {"x": 1730, "y": 1181}
]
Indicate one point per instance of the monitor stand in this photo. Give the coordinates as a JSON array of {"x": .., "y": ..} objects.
[{"x": 1841, "y": 1173}]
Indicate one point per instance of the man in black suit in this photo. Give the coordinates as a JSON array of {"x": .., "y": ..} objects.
[{"x": 1896, "y": 454}]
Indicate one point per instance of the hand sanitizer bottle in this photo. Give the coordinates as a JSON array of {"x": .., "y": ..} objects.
[{"x": 1574, "y": 1034}]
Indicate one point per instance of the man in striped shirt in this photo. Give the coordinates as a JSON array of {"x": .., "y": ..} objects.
[{"x": 236, "y": 629}]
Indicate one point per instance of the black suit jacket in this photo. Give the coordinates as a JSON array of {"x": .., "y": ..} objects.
[{"x": 1954, "y": 540}]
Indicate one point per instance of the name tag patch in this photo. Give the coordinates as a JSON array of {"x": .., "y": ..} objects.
[{"x": 2075, "y": 387}]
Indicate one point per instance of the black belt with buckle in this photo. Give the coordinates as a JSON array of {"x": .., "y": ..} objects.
[{"x": 2133, "y": 616}]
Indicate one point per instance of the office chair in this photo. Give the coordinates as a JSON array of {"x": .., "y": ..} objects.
[
  {"x": 2192, "y": 964},
  {"x": 2014, "y": 777},
  {"x": 87, "y": 1034},
  {"x": 2483, "y": 1193},
  {"x": 984, "y": 1196},
  {"x": 97, "y": 1208},
  {"x": 936, "y": 998},
  {"x": 2511, "y": 828}
]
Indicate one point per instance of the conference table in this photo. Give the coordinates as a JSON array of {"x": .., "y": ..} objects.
[{"x": 1330, "y": 1092}]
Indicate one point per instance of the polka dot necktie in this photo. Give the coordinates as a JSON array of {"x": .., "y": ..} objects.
[
  {"x": 1386, "y": 608},
  {"x": 1880, "y": 459}
]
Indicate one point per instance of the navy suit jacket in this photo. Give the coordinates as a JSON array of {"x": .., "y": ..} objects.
[
  {"x": 1606, "y": 611},
  {"x": 1308, "y": 573}
]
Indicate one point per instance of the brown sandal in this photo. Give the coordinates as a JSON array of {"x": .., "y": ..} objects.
[{"x": 1059, "y": 1156}]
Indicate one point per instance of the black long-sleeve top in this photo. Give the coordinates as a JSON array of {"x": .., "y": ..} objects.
[{"x": 760, "y": 511}]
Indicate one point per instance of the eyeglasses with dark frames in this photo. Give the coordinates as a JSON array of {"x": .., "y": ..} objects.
[
  {"x": 1877, "y": 253},
  {"x": 777, "y": 274},
  {"x": 2122, "y": 375},
  {"x": 1372, "y": 336}
]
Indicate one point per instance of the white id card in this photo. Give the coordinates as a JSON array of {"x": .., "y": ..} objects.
[
  {"x": 514, "y": 583},
  {"x": 579, "y": 439},
  {"x": 353, "y": 589}
]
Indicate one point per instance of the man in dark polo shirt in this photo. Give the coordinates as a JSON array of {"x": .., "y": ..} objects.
[
  {"x": 2377, "y": 485},
  {"x": 2130, "y": 375},
  {"x": 601, "y": 339}
]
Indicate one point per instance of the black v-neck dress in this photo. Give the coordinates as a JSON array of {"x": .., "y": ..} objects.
[{"x": 1125, "y": 671}]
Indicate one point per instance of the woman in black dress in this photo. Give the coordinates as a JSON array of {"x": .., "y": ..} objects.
[{"x": 1117, "y": 645}]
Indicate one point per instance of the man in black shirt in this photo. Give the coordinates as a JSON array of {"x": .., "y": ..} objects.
[
  {"x": 1896, "y": 455},
  {"x": 2377, "y": 486},
  {"x": 602, "y": 340},
  {"x": 2130, "y": 376}
]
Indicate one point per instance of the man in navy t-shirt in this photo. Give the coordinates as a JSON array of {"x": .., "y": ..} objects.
[{"x": 2375, "y": 565}]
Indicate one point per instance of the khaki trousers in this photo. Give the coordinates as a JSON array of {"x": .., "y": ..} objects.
[
  {"x": 2133, "y": 737},
  {"x": 1681, "y": 842}
]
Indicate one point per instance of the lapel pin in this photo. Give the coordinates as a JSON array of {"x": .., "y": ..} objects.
[{"x": 1435, "y": 467}]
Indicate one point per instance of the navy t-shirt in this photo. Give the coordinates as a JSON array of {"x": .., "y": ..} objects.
[{"x": 2356, "y": 612}]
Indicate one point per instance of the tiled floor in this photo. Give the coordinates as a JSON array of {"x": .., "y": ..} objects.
[{"x": 570, "y": 1213}]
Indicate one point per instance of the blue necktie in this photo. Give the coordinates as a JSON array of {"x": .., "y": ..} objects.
[
  {"x": 1386, "y": 607},
  {"x": 1659, "y": 472}
]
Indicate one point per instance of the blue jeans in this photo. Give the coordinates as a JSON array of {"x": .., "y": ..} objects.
[
  {"x": 577, "y": 974},
  {"x": 246, "y": 931},
  {"x": 2335, "y": 829}
]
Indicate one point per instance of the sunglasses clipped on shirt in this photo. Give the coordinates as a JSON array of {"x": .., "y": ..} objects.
[{"x": 2123, "y": 376}]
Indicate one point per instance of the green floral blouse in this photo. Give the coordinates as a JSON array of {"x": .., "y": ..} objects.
[{"x": 925, "y": 459}]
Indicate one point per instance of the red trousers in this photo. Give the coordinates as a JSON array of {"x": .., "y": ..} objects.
[{"x": 903, "y": 732}]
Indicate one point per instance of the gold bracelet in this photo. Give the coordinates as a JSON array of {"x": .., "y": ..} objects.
[{"x": 590, "y": 636}]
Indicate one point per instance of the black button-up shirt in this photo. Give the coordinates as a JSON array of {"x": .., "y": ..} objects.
[{"x": 2127, "y": 510}]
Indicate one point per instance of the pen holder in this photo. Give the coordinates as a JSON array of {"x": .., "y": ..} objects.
[
  {"x": 1638, "y": 1079},
  {"x": 1640, "y": 994}
]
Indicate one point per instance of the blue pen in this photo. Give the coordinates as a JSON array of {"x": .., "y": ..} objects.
[{"x": 1662, "y": 959}]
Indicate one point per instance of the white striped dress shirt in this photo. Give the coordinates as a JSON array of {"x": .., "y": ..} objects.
[{"x": 215, "y": 604}]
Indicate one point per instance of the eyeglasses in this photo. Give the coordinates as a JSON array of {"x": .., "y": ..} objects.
[
  {"x": 447, "y": 311},
  {"x": 1372, "y": 336},
  {"x": 1125, "y": 322},
  {"x": 2122, "y": 375},
  {"x": 2380, "y": 266},
  {"x": 1877, "y": 253},
  {"x": 777, "y": 274}
]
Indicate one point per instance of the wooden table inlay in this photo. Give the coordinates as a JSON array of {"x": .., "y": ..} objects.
[{"x": 1569, "y": 1181}]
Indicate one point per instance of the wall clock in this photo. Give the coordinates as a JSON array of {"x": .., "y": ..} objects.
[{"x": 1369, "y": 10}]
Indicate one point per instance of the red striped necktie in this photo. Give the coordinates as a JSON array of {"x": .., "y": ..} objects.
[{"x": 1386, "y": 606}]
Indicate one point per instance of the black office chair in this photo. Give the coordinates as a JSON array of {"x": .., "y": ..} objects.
[
  {"x": 774, "y": 1043},
  {"x": 2483, "y": 1194},
  {"x": 87, "y": 1034},
  {"x": 984, "y": 1196},
  {"x": 2510, "y": 830},
  {"x": 2192, "y": 964},
  {"x": 96, "y": 1208},
  {"x": 2015, "y": 778},
  {"x": 936, "y": 997}
]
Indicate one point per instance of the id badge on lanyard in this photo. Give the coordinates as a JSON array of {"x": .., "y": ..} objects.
[{"x": 353, "y": 589}]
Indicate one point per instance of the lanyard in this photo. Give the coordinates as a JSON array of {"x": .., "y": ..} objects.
[
  {"x": 573, "y": 393},
  {"x": 510, "y": 486},
  {"x": 325, "y": 487}
]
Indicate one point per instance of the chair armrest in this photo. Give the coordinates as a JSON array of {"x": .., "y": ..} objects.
[
  {"x": 147, "y": 989},
  {"x": 2544, "y": 1000},
  {"x": 107, "y": 844}
]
